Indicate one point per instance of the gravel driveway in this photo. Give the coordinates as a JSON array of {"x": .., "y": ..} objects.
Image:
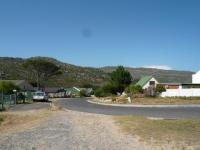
[{"x": 72, "y": 130}]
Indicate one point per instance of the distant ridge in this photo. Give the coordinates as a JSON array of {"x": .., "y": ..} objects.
[
  {"x": 73, "y": 75},
  {"x": 171, "y": 76}
]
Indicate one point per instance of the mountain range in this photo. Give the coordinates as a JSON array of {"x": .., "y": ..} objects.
[{"x": 73, "y": 75}]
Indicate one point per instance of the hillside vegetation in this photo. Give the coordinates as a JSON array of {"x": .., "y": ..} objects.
[
  {"x": 165, "y": 76},
  {"x": 73, "y": 75}
]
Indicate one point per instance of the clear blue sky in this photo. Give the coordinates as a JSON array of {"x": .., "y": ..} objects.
[{"x": 98, "y": 33}]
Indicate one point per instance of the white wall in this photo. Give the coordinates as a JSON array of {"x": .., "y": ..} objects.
[
  {"x": 196, "y": 78},
  {"x": 181, "y": 93},
  {"x": 148, "y": 83}
]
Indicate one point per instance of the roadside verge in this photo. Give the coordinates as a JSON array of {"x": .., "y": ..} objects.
[{"x": 145, "y": 106}]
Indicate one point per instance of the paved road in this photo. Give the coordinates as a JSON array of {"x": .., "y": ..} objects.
[{"x": 81, "y": 104}]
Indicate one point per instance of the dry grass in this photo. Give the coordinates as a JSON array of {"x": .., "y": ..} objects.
[
  {"x": 20, "y": 121},
  {"x": 1, "y": 119},
  {"x": 149, "y": 101},
  {"x": 180, "y": 133},
  {"x": 165, "y": 101}
]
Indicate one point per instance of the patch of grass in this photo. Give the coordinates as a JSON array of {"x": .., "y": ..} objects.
[
  {"x": 185, "y": 132},
  {"x": 1, "y": 119}
]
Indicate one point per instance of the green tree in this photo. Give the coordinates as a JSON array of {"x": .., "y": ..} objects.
[
  {"x": 8, "y": 87},
  {"x": 121, "y": 78},
  {"x": 101, "y": 93},
  {"x": 41, "y": 70}
]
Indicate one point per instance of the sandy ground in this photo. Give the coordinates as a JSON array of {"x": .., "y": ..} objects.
[{"x": 69, "y": 130}]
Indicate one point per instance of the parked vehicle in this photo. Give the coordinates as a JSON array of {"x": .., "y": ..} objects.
[{"x": 38, "y": 96}]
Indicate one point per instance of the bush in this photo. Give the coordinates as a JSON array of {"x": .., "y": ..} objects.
[
  {"x": 107, "y": 90},
  {"x": 8, "y": 87},
  {"x": 1, "y": 120},
  {"x": 160, "y": 88},
  {"x": 110, "y": 88},
  {"x": 134, "y": 89},
  {"x": 100, "y": 93},
  {"x": 83, "y": 93}
]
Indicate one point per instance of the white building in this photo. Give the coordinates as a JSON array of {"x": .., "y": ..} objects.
[
  {"x": 196, "y": 78},
  {"x": 185, "y": 90}
]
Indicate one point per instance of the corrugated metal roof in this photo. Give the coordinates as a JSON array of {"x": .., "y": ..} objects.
[{"x": 144, "y": 80}]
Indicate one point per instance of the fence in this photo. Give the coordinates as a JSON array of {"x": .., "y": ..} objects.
[
  {"x": 7, "y": 101},
  {"x": 181, "y": 93},
  {"x": 24, "y": 97}
]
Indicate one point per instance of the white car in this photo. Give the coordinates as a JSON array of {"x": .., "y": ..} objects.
[{"x": 38, "y": 96}]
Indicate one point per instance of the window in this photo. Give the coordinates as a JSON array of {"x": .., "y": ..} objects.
[{"x": 152, "y": 83}]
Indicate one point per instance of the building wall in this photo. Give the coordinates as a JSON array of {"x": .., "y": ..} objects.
[
  {"x": 170, "y": 86},
  {"x": 148, "y": 83},
  {"x": 181, "y": 93},
  {"x": 196, "y": 78}
]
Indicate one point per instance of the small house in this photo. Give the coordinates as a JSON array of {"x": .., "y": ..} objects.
[
  {"x": 72, "y": 92},
  {"x": 147, "y": 81}
]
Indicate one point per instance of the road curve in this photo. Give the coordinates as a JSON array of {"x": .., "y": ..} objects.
[{"x": 82, "y": 105}]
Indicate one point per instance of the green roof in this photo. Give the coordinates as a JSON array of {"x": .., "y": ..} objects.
[
  {"x": 144, "y": 80},
  {"x": 71, "y": 90}
]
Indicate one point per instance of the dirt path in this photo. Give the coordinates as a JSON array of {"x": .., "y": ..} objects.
[{"x": 71, "y": 130}]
